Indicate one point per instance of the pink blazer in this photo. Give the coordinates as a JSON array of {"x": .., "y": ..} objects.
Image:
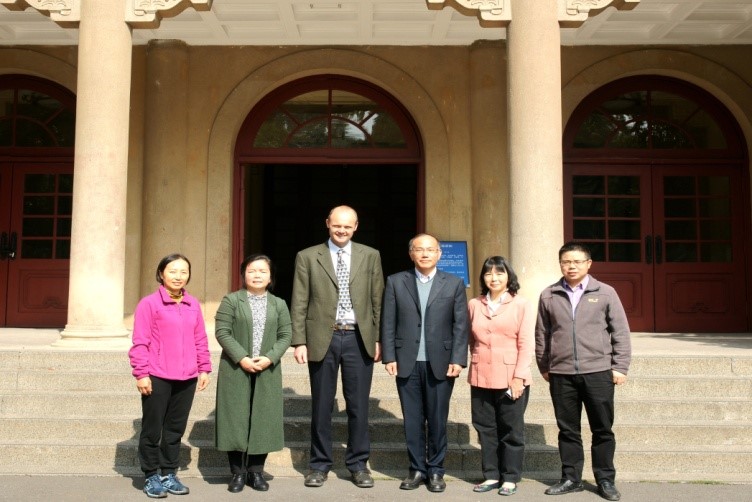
[{"x": 502, "y": 344}]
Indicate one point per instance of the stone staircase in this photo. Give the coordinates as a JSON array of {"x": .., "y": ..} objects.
[{"x": 681, "y": 418}]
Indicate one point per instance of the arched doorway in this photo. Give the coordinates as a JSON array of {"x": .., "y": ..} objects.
[
  {"x": 655, "y": 181},
  {"x": 37, "y": 125},
  {"x": 316, "y": 143}
]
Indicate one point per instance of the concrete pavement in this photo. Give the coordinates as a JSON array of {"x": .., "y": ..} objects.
[{"x": 124, "y": 489}]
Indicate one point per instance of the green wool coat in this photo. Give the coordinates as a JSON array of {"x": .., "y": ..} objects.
[{"x": 245, "y": 422}]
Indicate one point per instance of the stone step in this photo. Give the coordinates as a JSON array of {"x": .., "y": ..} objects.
[
  {"x": 199, "y": 458},
  {"x": 382, "y": 431},
  {"x": 113, "y": 362},
  {"x": 119, "y": 405},
  {"x": 384, "y": 385}
]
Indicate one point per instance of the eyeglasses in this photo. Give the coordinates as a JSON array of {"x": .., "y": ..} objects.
[
  {"x": 577, "y": 263},
  {"x": 425, "y": 250}
]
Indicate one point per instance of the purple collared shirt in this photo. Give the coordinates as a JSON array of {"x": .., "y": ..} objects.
[{"x": 575, "y": 294}]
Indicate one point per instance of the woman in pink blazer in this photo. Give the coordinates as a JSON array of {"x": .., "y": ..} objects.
[{"x": 501, "y": 349}]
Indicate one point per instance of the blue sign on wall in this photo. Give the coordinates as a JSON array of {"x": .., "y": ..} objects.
[{"x": 454, "y": 259}]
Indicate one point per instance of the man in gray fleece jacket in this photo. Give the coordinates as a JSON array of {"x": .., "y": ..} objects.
[{"x": 583, "y": 349}]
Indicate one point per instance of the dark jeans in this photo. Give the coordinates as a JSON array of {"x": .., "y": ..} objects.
[
  {"x": 346, "y": 351},
  {"x": 500, "y": 422},
  {"x": 425, "y": 405},
  {"x": 165, "y": 415},
  {"x": 596, "y": 392}
]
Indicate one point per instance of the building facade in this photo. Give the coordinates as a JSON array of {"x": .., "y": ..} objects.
[{"x": 113, "y": 155}]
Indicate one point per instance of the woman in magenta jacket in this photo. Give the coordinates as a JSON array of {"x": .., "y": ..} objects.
[
  {"x": 501, "y": 349},
  {"x": 170, "y": 359}
]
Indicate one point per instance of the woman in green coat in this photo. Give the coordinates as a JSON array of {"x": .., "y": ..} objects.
[{"x": 254, "y": 329}]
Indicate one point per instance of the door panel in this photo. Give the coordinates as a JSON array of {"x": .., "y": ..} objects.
[
  {"x": 669, "y": 239},
  {"x": 40, "y": 220},
  {"x": 607, "y": 210},
  {"x": 5, "y": 194},
  {"x": 700, "y": 282}
]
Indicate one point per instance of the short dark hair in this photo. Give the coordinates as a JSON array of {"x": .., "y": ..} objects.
[
  {"x": 410, "y": 243},
  {"x": 499, "y": 263},
  {"x": 574, "y": 246},
  {"x": 255, "y": 257},
  {"x": 169, "y": 259}
]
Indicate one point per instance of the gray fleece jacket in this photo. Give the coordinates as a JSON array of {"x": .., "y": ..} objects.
[{"x": 596, "y": 339}]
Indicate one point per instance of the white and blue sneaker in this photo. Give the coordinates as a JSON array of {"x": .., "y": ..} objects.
[
  {"x": 173, "y": 485},
  {"x": 154, "y": 488}
]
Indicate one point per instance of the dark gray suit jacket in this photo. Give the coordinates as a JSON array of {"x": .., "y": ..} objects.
[
  {"x": 446, "y": 319},
  {"x": 315, "y": 293}
]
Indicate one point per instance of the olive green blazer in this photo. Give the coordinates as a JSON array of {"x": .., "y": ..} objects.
[{"x": 315, "y": 294}]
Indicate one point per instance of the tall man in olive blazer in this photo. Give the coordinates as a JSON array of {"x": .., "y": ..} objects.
[
  {"x": 424, "y": 331},
  {"x": 326, "y": 338}
]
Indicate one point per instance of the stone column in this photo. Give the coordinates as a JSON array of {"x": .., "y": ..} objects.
[
  {"x": 535, "y": 131},
  {"x": 165, "y": 221},
  {"x": 490, "y": 155},
  {"x": 95, "y": 301}
]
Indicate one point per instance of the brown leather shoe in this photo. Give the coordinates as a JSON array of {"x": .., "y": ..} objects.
[{"x": 362, "y": 479}]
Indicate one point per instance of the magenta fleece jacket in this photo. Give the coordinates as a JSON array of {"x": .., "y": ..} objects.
[{"x": 169, "y": 339}]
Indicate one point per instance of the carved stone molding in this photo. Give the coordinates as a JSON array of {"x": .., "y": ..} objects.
[
  {"x": 573, "y": 13},
  {"x": 148, "y": 13},
  {"x": 60, "y": 11},
  {"x": 496, "y": 11}
]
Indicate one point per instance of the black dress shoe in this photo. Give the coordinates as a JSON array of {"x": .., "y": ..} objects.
[
  {"x": 236, "y": 483},
  {"x": 256, "y": 481},
  {"x": 608, "y": 491},
  {"x": 565, "y": 486},
  {"x": 412, "y": 481},
  {"x": 315, "y": 479},
  {"x": 436, "y": 483},
  {"x": 362, "y": 479}
]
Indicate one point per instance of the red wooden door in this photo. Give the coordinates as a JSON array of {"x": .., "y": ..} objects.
[
  {"x": 5, "y": 195},
  {"x": 37, "y": 265},
  {"x": 669, "y": 239},
  {"x": 699, "y": 259}
]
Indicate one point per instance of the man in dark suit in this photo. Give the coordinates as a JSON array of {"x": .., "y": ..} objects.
[
  {"x": 335, "y": 310},
  {"x": 424, "y": 330}
]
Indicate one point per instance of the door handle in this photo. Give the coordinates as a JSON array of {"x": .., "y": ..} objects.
[
  {"x": 11, "y": 253},
  {"x": 649, "y": 249},
  {"x": 658, "y": 250}
]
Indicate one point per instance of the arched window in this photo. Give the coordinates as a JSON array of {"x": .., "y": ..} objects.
[
  {"x": 332, "y": 116},
  {"x": 35, "y": 114},
  {"x": 643, "y": 115}
]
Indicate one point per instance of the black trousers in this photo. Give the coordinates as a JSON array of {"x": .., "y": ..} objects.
[
  {"x": 165, "y": 416},
  {"x": 500, "y": 423},
  {"x": 241, "y": 462},
  {"x": 425, "y": 408},
  {"x": 346, "y": 351},
  {"x": 596, "y": 392}
]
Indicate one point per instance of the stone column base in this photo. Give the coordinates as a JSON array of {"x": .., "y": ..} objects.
[{"x": 94, "y": 338}]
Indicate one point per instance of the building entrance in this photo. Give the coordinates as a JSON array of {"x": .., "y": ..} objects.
[
  {"x": 286, "y": 206},
  {"x": 317, "y": 143},
  {"x": 37, "y": 127},
  {"x": 655, "y": 184}
]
